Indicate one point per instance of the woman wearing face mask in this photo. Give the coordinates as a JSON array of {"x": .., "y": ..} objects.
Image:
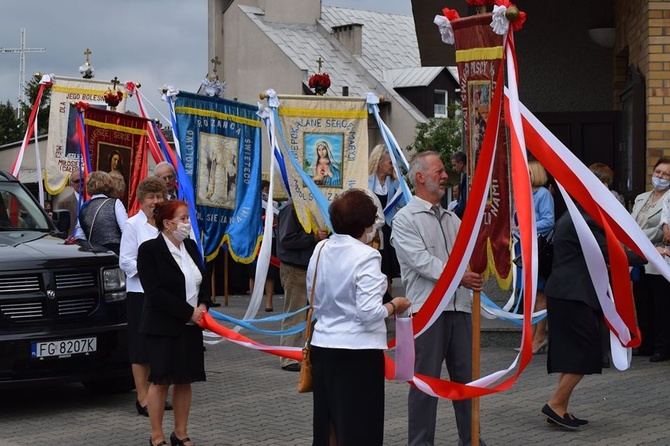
[
  {"x": 176, "y": 296},
  {"x": 350, "y": 333},
  {"x": 651, "y": 291}
]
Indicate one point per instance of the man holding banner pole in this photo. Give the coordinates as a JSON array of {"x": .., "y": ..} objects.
[{"x": 423, "y": 236}]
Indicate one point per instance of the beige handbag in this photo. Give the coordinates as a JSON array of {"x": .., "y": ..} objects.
[{"x": 305, "y": 378}]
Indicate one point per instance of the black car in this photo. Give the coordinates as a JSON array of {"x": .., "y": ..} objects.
[{"x": 62, "y": 304}]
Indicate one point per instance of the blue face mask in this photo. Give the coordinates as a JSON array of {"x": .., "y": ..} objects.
[{"x": 660, "y": 183}]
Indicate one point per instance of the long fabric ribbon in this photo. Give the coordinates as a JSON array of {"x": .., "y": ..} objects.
[
  {"x": 30, "y": 131},
  {"x": 394, "y": 152},
  {"x": 209, "y": 323}
]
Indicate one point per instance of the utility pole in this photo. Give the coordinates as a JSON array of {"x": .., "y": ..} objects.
[{"x": 22, "y": 50}]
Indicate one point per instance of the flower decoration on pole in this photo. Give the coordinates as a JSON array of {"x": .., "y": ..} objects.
[
  {"x": 113, "y": 96},
  {"x": 504, "y": 14},
  {"x": 86, "y": 70},
  {"x": 131, "y": 88},
  {"x": 481, "y": 5},
  {"x": 444, "y": 23},
  {"x": 320, "y": 82},
  {"x": 211, "y": 85},
  {"x": 80, "y": 106}
]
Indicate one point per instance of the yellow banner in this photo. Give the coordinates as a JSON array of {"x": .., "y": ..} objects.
[{"x": 328, "y": 140}]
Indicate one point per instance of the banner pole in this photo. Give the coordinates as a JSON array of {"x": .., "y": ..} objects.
[
  {"x": 213, "y": 283},
  {"x": 476, "y": 338},
  {"x": 225, "y": 279}
]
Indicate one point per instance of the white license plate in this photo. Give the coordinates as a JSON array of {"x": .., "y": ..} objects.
[{"x": 63, "y": 349}]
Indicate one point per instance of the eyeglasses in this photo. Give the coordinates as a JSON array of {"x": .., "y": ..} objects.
[
  {"x": 75, "y": 181},
  {"x": 660, "y": 173}
]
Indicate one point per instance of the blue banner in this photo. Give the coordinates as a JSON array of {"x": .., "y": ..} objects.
[{"x": 220, "y": 144}]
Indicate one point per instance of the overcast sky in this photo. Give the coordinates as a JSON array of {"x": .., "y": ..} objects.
[{"x": 152, "y": 42}]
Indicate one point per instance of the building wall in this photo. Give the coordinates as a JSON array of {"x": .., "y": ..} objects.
[
  {"x": 251, "y": 61},
  {"x": 560, "y": 68},
  {"x": 643, "y": 41}
]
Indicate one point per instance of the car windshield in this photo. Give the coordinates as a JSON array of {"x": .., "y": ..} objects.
[{"x": 18, "y": 210}]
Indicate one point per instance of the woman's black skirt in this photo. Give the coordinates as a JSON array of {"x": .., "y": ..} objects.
[
  {"x": 137, "y": 342},
  {"x": 574, "y": 338},
  {"x": 348, "y": 395},
  {"x": 177, "y": 360}
]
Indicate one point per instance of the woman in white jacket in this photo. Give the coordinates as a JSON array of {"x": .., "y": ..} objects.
[
  {"x": 138, "y": 229},
  {"x": 350, "y": 331}
]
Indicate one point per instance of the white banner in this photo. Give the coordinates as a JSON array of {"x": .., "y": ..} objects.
[{"x": 62, "y": 154}]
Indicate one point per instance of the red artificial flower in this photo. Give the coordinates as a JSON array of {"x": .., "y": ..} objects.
[
  {"x": 451, "y": 14},
  {"x": 81, "y": 106},
  {"x": 319, "y": 80},
  {"x": 518, "y": 24},
  {"x": 113, "y": 98},
  {"x": 481, "y": 3}
]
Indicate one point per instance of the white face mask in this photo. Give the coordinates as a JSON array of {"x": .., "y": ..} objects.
[
  {"x": 370, "y": 236},
  {"x": 183, "y": 230},
  {"x": 660, "y": 183}
]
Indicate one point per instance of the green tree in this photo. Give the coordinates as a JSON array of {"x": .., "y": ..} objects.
[
  {"x": 31, "y": 89},
  {"x": 11, "y": 129},
  {"x": 441, "y": 135}
]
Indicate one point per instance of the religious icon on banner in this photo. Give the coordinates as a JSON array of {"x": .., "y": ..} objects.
[
  {"x": 323, "y": 158},
  {"x": 217, "y": 171},
  {"x": 115, "y": 158},
  {"x": 480, "y": 102}
]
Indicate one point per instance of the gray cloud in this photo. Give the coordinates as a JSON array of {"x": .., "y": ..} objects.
[{"x": 149, "y": 41}]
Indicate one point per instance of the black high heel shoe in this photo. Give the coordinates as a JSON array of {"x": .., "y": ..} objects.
[
  {"x": 174, "y": 441},
  {"x": 141, "y": 410},
  {"x": 162, "y": 443}
]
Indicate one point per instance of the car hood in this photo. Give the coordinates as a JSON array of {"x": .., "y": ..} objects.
[{"x": 40, "y": 249}]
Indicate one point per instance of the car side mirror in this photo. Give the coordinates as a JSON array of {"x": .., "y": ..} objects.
[{"x": 62, "y": 219}]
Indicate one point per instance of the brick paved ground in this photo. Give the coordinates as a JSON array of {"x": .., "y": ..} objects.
[{"x": 249, "y": 400}]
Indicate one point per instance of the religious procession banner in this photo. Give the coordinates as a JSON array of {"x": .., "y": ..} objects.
[
  {"x": 117, "y": 142},
  {"x": 327, "y": 139},
  {"x": 62, "y": 155},
  {"x": 479, "y": 56},
  {"x": 220, "y": 144}
]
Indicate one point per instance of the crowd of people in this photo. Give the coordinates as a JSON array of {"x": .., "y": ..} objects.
[
  {"x": 166, "y": 287},
  {"x": 378, "y": 236}
]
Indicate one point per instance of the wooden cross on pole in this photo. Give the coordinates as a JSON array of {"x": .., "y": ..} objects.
[
  {"x": 320, "y": 62},
  {"x": 115, "y": 82}
]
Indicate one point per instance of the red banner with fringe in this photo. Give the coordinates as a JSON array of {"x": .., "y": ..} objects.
[
  {"x": 118, "y": 143},
  {"x": 479, "y": 56}
]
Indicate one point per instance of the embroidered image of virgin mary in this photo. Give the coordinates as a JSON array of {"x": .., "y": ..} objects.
[{"x": 323, "y": 165}]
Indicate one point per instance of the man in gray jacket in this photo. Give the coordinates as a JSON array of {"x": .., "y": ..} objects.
[{"x": 423, "y": 236}]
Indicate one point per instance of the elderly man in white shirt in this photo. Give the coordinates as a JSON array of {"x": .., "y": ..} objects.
[{"x": 423, "y": 236}]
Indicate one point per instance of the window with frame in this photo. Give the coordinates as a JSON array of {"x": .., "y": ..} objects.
[{"x": 440, "y": 104}]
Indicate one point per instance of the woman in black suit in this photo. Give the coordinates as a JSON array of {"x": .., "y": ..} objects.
[
  {"x": 575, "y": 316},
  {"x": 176, "y": 296}
]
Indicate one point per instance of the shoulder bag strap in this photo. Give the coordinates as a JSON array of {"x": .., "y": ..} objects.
[
  {"x": 90, "y": 234},
  {"x": 308, "y": 327}
]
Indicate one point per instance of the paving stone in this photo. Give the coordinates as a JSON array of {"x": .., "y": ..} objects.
[{"x": 249, "y": 400}]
